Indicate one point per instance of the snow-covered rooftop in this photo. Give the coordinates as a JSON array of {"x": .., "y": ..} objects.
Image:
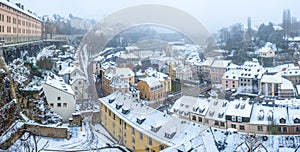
[
  {"x": 181, "y": 131},
  {"x": 152, "y": 72},
  {"x": 240, "y": 108},
  {"x": 58, "y": 82},
  {"x": 232, "y": 74},
  {"x": 251, "y": 69},
  {"x": 6, "y": 2},
  {"x": 152, "y": 82},
  {"x": 220, "y": 63}
]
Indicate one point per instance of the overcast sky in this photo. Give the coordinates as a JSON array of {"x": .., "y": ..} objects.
[{"x": 213, "y": 14}]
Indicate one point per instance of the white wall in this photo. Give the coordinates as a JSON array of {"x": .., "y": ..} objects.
[{"x": 52, "y": 95}]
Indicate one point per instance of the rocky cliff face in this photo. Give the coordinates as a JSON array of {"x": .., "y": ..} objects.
[{"x": 8, "y": 104}]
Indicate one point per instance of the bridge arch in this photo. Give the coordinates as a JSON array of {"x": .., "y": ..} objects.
[
  {"x": 156, "y": 25},
  {"x": 171, "y": 17}
]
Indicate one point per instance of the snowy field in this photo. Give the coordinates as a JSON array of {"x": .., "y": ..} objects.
[{"x": 88, "y": 138}]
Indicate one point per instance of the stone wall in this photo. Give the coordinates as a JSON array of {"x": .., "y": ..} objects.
[
  {"x": 95, "y": 114},
  {"x": 48, "y": 131}
]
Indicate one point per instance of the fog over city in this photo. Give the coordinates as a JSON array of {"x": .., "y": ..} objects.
[{"x": 213, "y": 14}]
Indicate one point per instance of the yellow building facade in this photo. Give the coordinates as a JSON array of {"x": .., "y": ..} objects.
[
  {"x": 141, "y": 128},
  {"x": 150, "y": 88}
]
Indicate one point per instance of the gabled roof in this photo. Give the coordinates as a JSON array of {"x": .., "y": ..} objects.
[{"x": 152, "y": 81}]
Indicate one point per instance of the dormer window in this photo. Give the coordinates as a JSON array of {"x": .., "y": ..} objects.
[
  {"x": 297, "y": 120},
  {"x": 118, "y": 106},
  {"x": 220, "y": 115},
  {"x": 170, "y": 133},
  {"x": 282, "y": 120},
  {"x": 125, "y": 110},
  {"x": 155, "y": 128},
  {"x": 211, "y": 113},
  {"x": 261, "y": 114},
  {"x": 243, "y": 106},
  {"x": 270, "y": 118},
  {"x": 111, "y": 100},
  {"x": 237, "y": 105},
  {"x": 140, "y": 120},
  {"x": 201, "y": 110}
]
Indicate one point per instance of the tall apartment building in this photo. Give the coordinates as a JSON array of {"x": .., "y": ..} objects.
[{"x": 17, "y": 24}]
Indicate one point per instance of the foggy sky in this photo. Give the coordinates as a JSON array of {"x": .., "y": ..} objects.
[{"x": 213, "y": 14}]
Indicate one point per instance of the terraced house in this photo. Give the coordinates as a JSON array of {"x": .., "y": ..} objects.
[{"x": 141, "y": 128}]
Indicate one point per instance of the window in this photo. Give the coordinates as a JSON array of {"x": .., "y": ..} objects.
[
  {"x": 133, "y": 140},
  {"x": 114, "y": 116},
  {"x": 124, "y": 125},
  {"x": 279, "y": 129},
  {"x": 58, "y": 104},
  {"x": 8, "y": 19},
  {"x": 222, "y": 124},
  {"x": 51, "y": 105},
  {"x": 64, "y": 104},
  {"x": 79, "y": 82},
  {"x": 141, "y": 136},
  {"x": 259, "y": 128},
  {"x": 199, "y": 119},
  {"x": 233, "y": 126},
  {"x": 284, "y": 129},
  {"x": 240, "y": 119},
  {"x": 58, "y": 98},
  {"x": 161, "y": 147},
  {"x": 76, "y": 88},
  {"x": 233, "y": 118},
  {"x": 194, "y": 118},
  {"x": 297, "y": 129},
  {"x": 216, "y": 123},
  {"x": 149, "y": 141},
  {"x": 242, "y": 127},
  {"x": 105, "y": 109},
  {"x": 109, "y": 113},
  {"x": 8, "y": 29},
  {"x": 133, "y": 131}
]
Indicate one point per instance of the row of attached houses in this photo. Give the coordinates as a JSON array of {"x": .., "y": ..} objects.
[
  {"x": 152, "y": 85},
  {"x": 142, "y": 128},
  {"x": 252, "y": 78},
  {"x": 213, "y": 69},
  {"x": 240, "y": 115}
]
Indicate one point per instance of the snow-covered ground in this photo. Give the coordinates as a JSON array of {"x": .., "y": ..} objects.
[{"x": 89, "y": 137}]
